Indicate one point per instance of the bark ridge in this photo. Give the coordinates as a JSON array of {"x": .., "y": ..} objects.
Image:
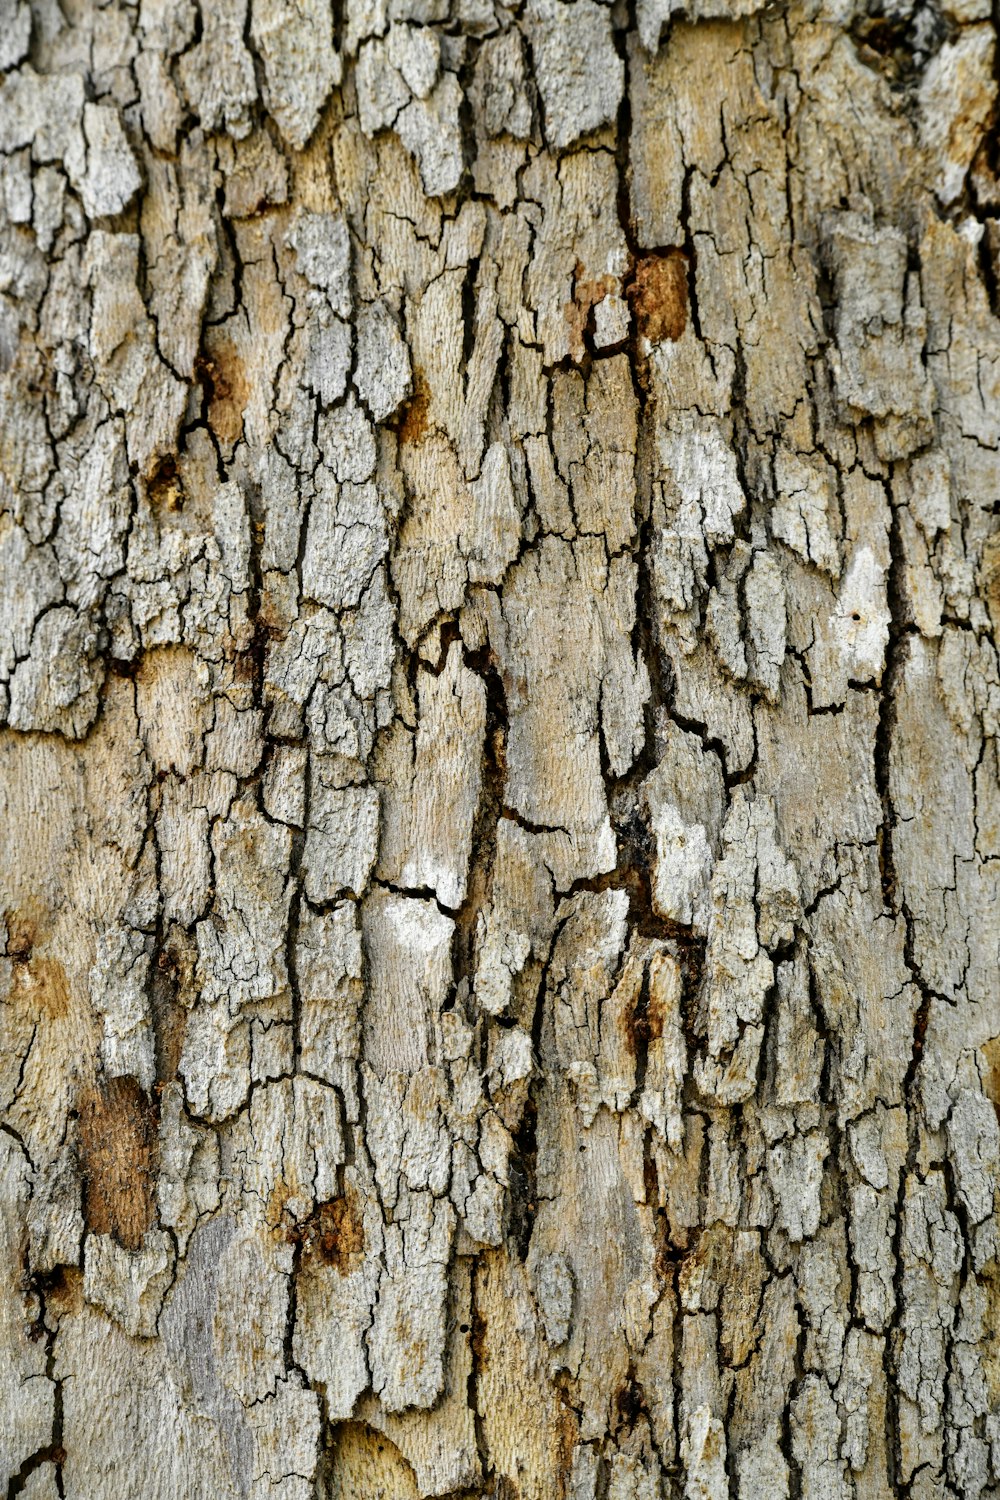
[{"x": 499, "y": 797}]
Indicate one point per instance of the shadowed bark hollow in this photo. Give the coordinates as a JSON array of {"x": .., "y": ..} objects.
[{"x": 499, "y": 798}]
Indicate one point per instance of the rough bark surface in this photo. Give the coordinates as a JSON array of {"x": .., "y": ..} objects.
[{"x": 500, "y": 838}]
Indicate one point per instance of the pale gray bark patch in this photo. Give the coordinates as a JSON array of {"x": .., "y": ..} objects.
[{"x": 499, "y": 787}]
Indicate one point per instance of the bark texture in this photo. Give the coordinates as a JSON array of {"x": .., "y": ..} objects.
[{"x": 500, "y": 832}]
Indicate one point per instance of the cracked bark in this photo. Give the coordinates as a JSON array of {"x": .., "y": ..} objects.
[{"x": 500, "y": 807}]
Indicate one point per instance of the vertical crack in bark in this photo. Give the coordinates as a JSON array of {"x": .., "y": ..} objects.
[{"x": 499, "y": 693}]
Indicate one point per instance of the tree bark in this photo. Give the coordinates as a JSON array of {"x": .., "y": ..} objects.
[{"x": 500, "y": 808}]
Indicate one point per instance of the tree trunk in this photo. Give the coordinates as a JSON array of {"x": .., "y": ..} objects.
[{"x": 500, "y": 806}]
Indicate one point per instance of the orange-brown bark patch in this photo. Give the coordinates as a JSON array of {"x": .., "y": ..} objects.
[
  {"x": 45, "y": 979},
  {"x": 164, "y": 486},
  {"x": 577, "y": 312},
  {"x": 172, "y": 980},
  {"x": 62, "y": 1288},
  {"x": 221, "y": 371},
  {"x": 22, "y": 934},
  {"x": 567, "y": 1435},
  {"x": 416, "y": 414},
  {"x": 118, "y": 1160},
  {"x": 659, "y": 296},
  {"x": 645, "y": 1021},
  {"x": 335, "y": 1234},
  {"x": 38, "y": 981},
  {"x": 654, "y": 1014}
]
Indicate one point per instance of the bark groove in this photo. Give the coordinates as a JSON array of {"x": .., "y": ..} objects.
[{"x": 499, "y": 797}]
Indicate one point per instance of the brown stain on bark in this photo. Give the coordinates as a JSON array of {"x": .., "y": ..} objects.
[
  {"x": 65, "y": 1294},
  {"x": 645, "y": 1022},
  {"x": 38, "y": 980},
  {"x": 44, "y": 979},
  {"x": 277, "y": 1198},
  {"x": 416, "y": 420},
  {"x": 991, "y": 1348},
  {"x": 658, "y": 295},
  {"x": 22, "y": 935},
  {"x": 567, "y": 1435},
  {"x": 118, "y": 1160},
  {"x": 654, "y": 1015},
  {"x": 629, "y": 1403},
  {"x": 478, "y": 1337},
  {"x": 60, "y": 1294},
  {"x": 163, "y": 486},
  {"x": 991, "y": 1083},
  {"x": 220, "y": 369},
  {"x": 170, "y": 1015},
  {"x": 335, "y": 1234},
  {"x": 989, "y": 579},
  {"x": 587, "y": 293}
]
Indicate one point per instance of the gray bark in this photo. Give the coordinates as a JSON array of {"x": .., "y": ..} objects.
[{"x": 499, "y": 799}]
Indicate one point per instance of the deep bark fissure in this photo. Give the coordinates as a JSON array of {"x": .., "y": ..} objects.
[{"x": 499, "y": 591}]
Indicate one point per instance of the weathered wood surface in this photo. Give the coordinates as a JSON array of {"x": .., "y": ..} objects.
[{"x": 500, "y": 834}]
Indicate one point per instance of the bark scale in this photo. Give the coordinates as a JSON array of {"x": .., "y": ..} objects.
[{"x": 500, "y": 806}]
